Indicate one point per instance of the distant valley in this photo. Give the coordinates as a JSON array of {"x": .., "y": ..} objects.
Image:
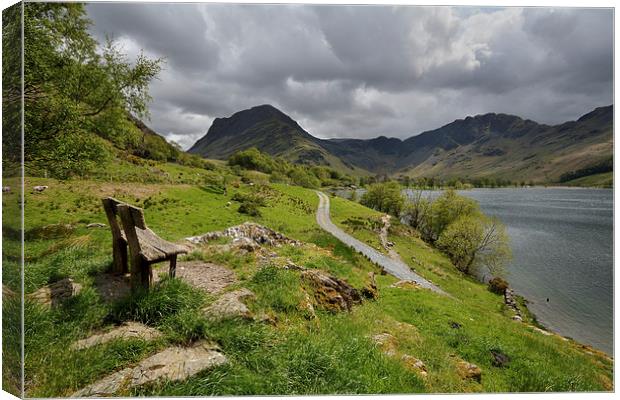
[{"x": 491, "y": 145}]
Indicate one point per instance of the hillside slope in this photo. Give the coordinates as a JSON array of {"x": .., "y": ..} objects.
[{"x": 489, "y": 145}]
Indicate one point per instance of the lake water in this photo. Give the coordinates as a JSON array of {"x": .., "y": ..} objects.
[{"x": 562, "y": 243}]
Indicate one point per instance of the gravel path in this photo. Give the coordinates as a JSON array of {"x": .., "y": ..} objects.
[{"x": 394, "y": 267}]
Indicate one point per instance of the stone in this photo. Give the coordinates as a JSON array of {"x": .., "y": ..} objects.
[
  {"x": 370, "y": 291},
  {"x": 171, "y": 364},
  {"x": 331, "y": 293},
  {"x": 6, "y": 189},
  {"x": 268, "y": 319},
  {"x": 244, "y": 243},
  {"x": 212, "y": 278},
  {"x": 55, "y": 293},
  {"x": 306, "y": 306},
  {"x": 128, "y": 330},
  {"x": 260, "y": 235},
  {"x": 517, "y": 318},
  {"x": 7, "y": 292},
  {"x": 414, "y": 364},
  {"x": 112, "y": 287},
  {"x": 499, "y": 359},
  {"x": 468, "y": 370},
  {"x": 40, "y": 189},
  {"x": 405, "y": 284},
  {"x": 387, "y": 342},
  {"x": 455, "y": 325},
  {"x": 231, "y": 305},
  {"x": 96, "y": 225}
]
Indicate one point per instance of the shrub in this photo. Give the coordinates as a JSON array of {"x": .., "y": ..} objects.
[
  {"x": 498, "y": 285},
  {"x": 386, "y": 197},
  {"x": 473, "y": 242},
  {"x": 249, "y": 208}
]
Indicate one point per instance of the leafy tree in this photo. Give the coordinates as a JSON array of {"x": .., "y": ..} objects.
[
  {"x": 252, "y": 158},
  {"x": 301, "y": 177},
  {"x": 75, "y": 92},
  {"x": 386, "y": 197},
  {"x": 474, "y": 242},
  {"x": 446, "y": 209}
]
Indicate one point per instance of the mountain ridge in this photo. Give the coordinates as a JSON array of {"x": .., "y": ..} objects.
[{"x": 491, "y": 144}]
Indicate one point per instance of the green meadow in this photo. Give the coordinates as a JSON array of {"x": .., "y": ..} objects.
[{"x": 332, "y": 353}]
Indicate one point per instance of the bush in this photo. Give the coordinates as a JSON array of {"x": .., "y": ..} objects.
[
  {"x": 249, "y": 208},
  {"x": 301, "y": 177},
  {"x": 386, "y": 197},
  {"x": 498, "y": 285},
  {"x": 252, "y": 158},
  {"x": 473, "y": 242}
]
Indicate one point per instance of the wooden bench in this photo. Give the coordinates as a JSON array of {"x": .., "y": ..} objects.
[
  {"x": 145, "y": 247},
  {"x": 119, "y": 242}
]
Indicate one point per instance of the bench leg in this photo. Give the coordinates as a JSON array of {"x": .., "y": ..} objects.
[
  {"x": 119, "y": 253},
  {"x": 173, "y": 266},
  {"x": 141, "y": 274}
]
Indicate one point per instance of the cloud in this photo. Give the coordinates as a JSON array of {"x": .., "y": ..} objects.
[{"x": 364, "y": 71}]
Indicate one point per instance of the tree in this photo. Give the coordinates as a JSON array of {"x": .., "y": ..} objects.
[
  {"x": 446, "y": 209},
  {"x": 476, "y": 242},
  {"x": 386, "y": 197},
  {"x": 76, "y": 91},
  {"x": 416, "y": 209}
]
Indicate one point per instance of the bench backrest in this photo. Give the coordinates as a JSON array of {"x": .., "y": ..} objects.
[{"x": 109, "y": 205}]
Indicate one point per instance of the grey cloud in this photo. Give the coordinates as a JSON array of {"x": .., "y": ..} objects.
[{"x": 363, "y": 71}]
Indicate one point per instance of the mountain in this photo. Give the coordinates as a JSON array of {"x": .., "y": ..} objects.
[
  {"x": 269, "y": 130},
  {"x": 490, "y": 145}
]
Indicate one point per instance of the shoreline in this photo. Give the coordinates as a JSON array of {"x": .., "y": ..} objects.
[{"x": 538, "y": 326}]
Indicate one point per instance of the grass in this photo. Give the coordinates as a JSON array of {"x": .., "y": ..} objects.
[{"x": 333, "y": 353}]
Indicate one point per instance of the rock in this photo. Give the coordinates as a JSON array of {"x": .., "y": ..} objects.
[
  {"x": 40, "y": 189},
  {"x": 231, "y": 305},
  {"x": 499, "y": 359},
  {"x": 211, "y": 278},
  {"x": 405, "y": 284},
  {"x": 171, "y": 364},
  {"x": 111, "y": 287},
  {"x": 414, "y": 364},
  {"x": 387, "y": 342},
  {"x": 57, "y": 292},
  {"x": 517, "y": 318},
  {"x": 228, "y": 203},
  {"x": 129, "y": 330},
  {"x": 96, "y": 225},
  {"x": 306, "y": 306},
  {"x": 455, "y": 325},
  {"x": 7, "y": 292},
  {"x": 370, "y": 291},
  {"x": 390, "y": 244},
  {"x": 331, "y": 293},
  {"x": 261, "y": 235},
  {"x": 468, "y": 370},
  {"x": 268, "y": 319},
  {"x": 247, "y": 244},
  {"x": 6, "y": 189}
]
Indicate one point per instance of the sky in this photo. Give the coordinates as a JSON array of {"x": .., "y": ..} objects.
[{"x": 364, "y": 71}]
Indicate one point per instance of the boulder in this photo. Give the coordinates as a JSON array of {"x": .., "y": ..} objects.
[
  {"x": 55, "y": 293},
  {"x": 387, "y": 342},
  {"x": 96, "y": 225},
  {"x": 414, "y": 364},
  {"x": 129, "y": 330},
  {"x": 499, "y": 359},
  {"x": 468, "y": 370},
  {"x": 331, "y": 293},
  {"x": 231, "y": 305},
  {"x": 40, "y": 189},
  {"x": 171, "y": 364}
]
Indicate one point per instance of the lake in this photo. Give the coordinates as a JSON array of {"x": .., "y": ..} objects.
[{"x": 562, "y": 243}]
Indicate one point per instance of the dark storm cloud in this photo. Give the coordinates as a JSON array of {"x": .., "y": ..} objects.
[{"x": 363, "y": 71}]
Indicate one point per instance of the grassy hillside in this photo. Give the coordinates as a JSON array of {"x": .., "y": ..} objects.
[{"x": 333, "y": 353}]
